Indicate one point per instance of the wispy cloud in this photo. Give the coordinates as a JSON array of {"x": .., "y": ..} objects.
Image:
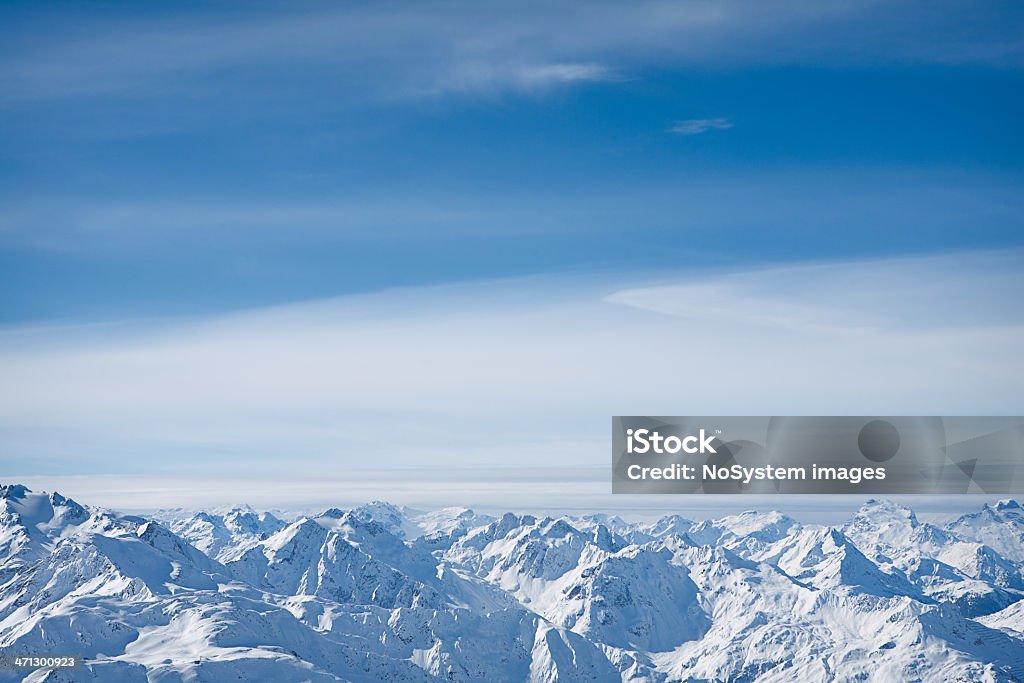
[
  {"x": 698, "y": 126},
  {"x": 711, "y": 204},
  {"x": 522, "y": 372},
  {"x": 397, "y": 52},
  {"x": 406, "y": 49},
  {"x": 565, "y": 73},
  {"x": 495, "y": 77}
]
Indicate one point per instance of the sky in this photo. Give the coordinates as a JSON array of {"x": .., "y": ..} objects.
[{"x": 363, "y": 242}]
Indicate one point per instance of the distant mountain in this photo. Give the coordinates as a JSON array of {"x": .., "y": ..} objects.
[
  {"x": 999, "y": 526},
  {"x": 387, "y": 593},
  {"x": 224, "y": 536},
  {"x": 942, "y": 563}
]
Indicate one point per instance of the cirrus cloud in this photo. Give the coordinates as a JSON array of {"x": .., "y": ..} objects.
[{"x": 698, "y": 126}]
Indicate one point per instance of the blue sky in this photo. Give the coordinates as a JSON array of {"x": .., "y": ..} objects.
[
  {"x": 215, "y": 156},
  {"x": 185, "y": 183}
]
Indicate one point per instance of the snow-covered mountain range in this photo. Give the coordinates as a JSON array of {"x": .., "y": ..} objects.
[{"x": 383, "y": 593}]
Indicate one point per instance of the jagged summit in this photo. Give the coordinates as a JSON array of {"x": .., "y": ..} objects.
[{"x": 14, "y": 491}]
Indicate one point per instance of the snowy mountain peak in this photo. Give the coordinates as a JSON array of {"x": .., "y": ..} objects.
[
  {"x": 887, "y": 525},
  {"x": 670, "y": 524},
  {"x": 390, "y": 517},
  {"x": 557, "y": 528},
  {"x": 14, "y": 491},
  {"x": 378, "y": 510},
  {"x": 301, "y": 531},
  {"x": 881, "y": 509},
  {"x": 41, "y": 515},
  {"x": 248, "y": 521},
  {"x": 999, "y": 526},
  {"x": 451, "y": 520},
  {"x": 749, "y": 529}
]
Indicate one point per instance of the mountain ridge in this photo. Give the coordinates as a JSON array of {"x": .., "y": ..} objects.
[{"x": 386, "y": 593}]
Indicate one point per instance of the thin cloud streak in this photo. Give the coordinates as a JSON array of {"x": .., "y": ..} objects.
[
  {"x": 698, "y": 126},
  {"x": 709, "y": 204}
]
